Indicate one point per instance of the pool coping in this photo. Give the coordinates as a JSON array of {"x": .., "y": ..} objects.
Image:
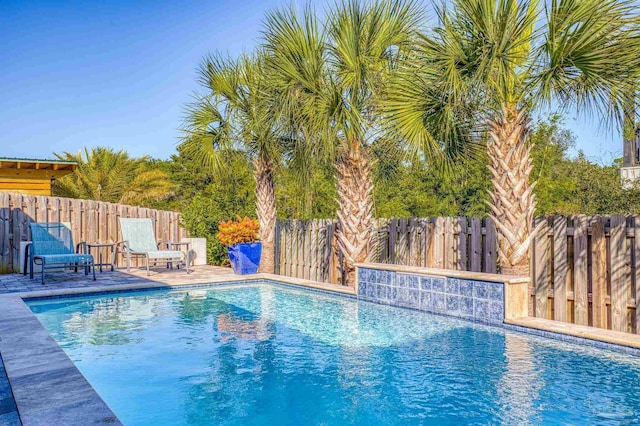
[
  {"x": 611, "y": 337},
  {"x": 47, "y": 387},
  {"x": 452, "y": 273}
]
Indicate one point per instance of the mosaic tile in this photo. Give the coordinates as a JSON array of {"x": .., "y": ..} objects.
[
  {"x": 480, "y": 290},
  {"x": 426, "y": 301},
  {"x": 401, "y": 280},
  {"x": 393, "y": 293},
  {"x": 438, "y": 302},
  {"x": 425, "y": 283},
  {"x": 403, "y": 295},
  {"x": 414, "y": 281},
  {"x": 496, "y": 311},
  {"x": 414, "y": 298},
  {"x": 437, "y": 284},
  {"x": 466, "y": 306},
  {"x": 466, "y": 288},
  {"x": 452, "y": 304},
  {"x": 452, "y": 285},
  {"x": 371, "y": 290},
  {"x": 481, "y": 310},
  {"x": 496, "y": 291}
]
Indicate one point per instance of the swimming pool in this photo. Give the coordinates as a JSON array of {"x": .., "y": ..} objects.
[{"x": 269, "y": 354}]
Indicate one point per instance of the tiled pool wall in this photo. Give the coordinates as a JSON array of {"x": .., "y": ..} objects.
[{"x": 481, "y": 301}]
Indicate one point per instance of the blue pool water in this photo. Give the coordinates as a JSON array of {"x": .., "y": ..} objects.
[{"x": 265, "y": 354}]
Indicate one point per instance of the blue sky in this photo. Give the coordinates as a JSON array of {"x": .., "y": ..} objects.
[{"x": 118, "y": 73}]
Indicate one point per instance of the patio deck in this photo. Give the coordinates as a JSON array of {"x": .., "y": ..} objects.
[{"x": 18, "y": 283}]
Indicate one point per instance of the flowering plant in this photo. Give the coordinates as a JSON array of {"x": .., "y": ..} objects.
[{"x": 241, "y": 230}]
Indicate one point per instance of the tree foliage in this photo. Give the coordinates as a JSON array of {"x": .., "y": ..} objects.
[{"x": 104, "y": 174}]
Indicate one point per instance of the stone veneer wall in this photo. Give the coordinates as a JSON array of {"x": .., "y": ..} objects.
[{"x": 481, "y": 301}]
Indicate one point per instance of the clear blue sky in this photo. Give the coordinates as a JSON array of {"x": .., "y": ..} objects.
[{"x": 118, "y": 73}]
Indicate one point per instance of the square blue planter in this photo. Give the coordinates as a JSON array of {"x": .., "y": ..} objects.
[{"x": 245, "y": 258}]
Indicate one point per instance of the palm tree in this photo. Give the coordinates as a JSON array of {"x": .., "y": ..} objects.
[
  {"x": 239, "y": 111},
  {"x": 107, "y": 175},
  {"x": 332, "y": 77},
  {"x": 505, "y": 58}
]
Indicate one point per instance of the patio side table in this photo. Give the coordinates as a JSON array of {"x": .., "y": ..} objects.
[
  {"x": 177, "y": 246},
  {"x": 104, "y": 248}
]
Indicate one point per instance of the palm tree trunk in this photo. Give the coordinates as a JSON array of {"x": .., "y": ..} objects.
[
  {"x": 266, "y": 212},
  {"x": 512, "y": 200},
  {"x": 355, "y": 210}
]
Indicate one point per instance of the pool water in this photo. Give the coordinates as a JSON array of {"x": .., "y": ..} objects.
[{"x": 272, "y": 355}]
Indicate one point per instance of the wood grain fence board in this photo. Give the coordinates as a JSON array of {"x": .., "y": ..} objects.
[
  {"x": 449, "y": 244},
  {"x": 393, "y": 236},
  {"x": 599, "y": 275},
  {"x": 402, "y": 244},
  {"x": 309, "y": 254},
  {"x": 276, "y": 253},
  {"x": 490, "y": 249},
  {"x": 5, "y": 236},
  {"x": 414, "y": 242},
  {"x": 438, "y": 243},
  {"x": 580, "y": 275},
  {"x": 560, "y": 268},
  {"x": 636, "y": 261},
  {"x": 462, "y": 244},
  {"x": 429, "y": 242},
  {"x": 541, "y": 269},
  {"x": 475, "y": 245},
  {"x": 620, "y": 287}
]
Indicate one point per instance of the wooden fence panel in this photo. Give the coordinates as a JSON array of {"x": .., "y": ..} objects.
[{"x": 91, "y": 221}]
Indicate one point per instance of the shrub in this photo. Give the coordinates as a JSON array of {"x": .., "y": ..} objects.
[{"x": 242, "y": 230}]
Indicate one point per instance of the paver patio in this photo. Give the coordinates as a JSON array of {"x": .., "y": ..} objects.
[{"x": 18, "y": 283}]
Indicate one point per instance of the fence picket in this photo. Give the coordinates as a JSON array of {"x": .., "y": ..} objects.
[
  {"x": 619, "y": 285},
  {"x": 560, "y": 268}
]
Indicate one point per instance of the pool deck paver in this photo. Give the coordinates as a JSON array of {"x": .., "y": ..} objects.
[
  {"x": 45, "y": 386},
  {"x": 8, "y": 411}
]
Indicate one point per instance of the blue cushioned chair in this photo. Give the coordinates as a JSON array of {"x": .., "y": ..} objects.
[{"x": 52, "y": 247}]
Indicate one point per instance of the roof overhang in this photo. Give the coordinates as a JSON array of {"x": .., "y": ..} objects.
[{"x": 33, "y": 168}]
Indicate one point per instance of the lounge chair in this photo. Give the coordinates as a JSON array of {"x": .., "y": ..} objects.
[
  {"x": 139, "y": 240},
  {"x": 52, "y": 246}
]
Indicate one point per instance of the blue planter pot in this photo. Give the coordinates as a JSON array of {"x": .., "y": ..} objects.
[{"x": 245, "y": 258}]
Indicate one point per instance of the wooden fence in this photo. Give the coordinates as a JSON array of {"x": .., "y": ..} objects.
[
  {"x": 91, "y": 221},
  {"x": 308, "y": 249},
  {"x": 585, "y": 269}
]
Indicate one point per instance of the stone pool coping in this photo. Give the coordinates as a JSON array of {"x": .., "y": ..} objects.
[
  {"x": 47, "y": 386},
  {"x": 480, "y": 276},
  {"x": 580, "y": 331}
]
